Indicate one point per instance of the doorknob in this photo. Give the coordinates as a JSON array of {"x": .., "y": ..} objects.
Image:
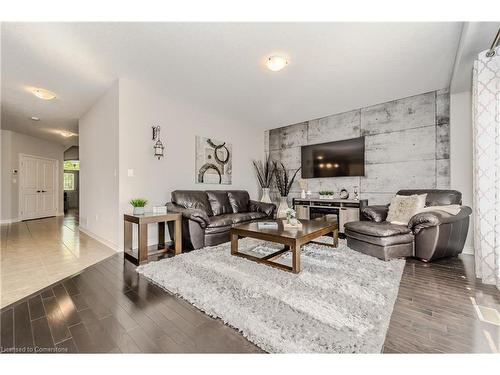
[
  {"x": 44, "y": 191},
  {"x": 38, "y": 191}
]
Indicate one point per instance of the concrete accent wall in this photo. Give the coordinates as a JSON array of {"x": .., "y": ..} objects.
[{"x": 407, "y": 145}]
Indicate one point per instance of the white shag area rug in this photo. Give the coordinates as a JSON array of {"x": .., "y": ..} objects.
[{"x": 340, "y": 302}]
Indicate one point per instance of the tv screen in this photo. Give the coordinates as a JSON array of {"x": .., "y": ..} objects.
[{"x": 334, "y": 159}]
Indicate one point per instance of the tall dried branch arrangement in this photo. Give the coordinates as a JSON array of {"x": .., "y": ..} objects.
[
  {"x": 283, "y": 180},
  {"x": 265, "y": 171}
]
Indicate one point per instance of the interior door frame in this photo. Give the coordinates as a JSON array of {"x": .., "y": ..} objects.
[{"x": 20, "y": 184}]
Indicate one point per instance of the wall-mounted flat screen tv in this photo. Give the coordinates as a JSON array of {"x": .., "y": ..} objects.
[{"x": 334, "y": 159}]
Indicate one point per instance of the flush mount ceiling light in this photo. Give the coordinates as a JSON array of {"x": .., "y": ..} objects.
[
  {"x": 276, "y": 63},
  {"x": 35, "y": 118},
  {"x": 66, "y": 134},
  {"x": 43, "y": 94}
]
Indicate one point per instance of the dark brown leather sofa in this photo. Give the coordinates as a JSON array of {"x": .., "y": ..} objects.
[
  {"x": 429, "y": 235},
  {"x": 207, "y": 216}
]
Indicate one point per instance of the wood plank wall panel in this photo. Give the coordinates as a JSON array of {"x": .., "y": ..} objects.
[{"x": 407, "y": 146}]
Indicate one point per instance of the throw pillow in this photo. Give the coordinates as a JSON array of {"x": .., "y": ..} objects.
[{"x": 403, "y": 207}]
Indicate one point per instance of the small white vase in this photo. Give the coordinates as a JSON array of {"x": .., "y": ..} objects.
[
  {"x": 138, "y": 210},
  {"x": 303, "y": 194},
  {"x": 282, "y": 207},
  {"x": 265, "y": 196}
]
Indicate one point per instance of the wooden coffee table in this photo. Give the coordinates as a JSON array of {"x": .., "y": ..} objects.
[{"x": 293, "y": 239}]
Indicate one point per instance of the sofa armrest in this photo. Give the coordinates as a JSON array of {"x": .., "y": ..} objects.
[
  {"x": 266, "y": 208},
  {"x": 375, "y": 213},
  {"x": 194, "y": 214},
  {"x": 434, "y": 218}
]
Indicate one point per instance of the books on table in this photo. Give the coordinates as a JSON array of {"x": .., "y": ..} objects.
[{"x": 267, "y": 225}]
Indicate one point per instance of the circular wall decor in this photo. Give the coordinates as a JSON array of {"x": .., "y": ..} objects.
[
  {"x": 344, "y": 194},
  {"x": 204, "y": 168},
  {"x": 217, "y": 148}
]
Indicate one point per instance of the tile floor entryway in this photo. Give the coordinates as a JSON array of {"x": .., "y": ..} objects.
[{"x": 37, "y": 253}]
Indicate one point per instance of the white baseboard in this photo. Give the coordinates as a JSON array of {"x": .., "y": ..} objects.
[
  {"x": 9, "y": 221},
  {"x": 468, "y": 249},
  {"x": 102, "y": 240}
]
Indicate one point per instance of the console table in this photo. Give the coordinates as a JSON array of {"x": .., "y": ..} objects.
[
  {"x": 345, "y": 210},
  {"x": 142, "y": 222}
]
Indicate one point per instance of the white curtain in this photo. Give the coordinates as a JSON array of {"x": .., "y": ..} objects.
[{"x": 486, "y": 134}]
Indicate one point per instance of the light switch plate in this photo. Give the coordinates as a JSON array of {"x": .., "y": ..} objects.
[{"x": 130, "y": 173}]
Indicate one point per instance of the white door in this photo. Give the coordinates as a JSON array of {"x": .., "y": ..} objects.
[{"x": 38, "y": 189}]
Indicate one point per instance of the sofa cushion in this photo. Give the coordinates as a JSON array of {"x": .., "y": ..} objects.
[
  {"x": 192, "y": 199},
  {"x": 239, "y": 200},
  {"x": 247, "y": 216},
  {"x": 221, "y": 221},
  {"x": 214, "y": 230},
  {"x": 230, "y": 219},
  {"x": 219, "y": 202},
  {"x": 381, "y": 241},
  {"x": 371, "y": 228},
  {"x": 436, "y": 197}
]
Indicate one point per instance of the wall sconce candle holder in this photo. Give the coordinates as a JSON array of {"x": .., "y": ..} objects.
[{"x": 158, "y": 146}]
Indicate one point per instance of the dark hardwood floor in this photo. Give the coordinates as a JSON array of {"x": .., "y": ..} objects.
[{"x": 109, "y": 308}]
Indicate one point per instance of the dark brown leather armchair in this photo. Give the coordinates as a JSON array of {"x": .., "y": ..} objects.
[
  {"x": 429, "y": 235},
  {"x": 207, "y": 216}
]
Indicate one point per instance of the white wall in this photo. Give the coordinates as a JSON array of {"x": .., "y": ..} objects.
[
  {"x": 13, "y": 144},
  {"x": 115, "y": 137},
  {"x": 142, "y": 107},
  {"x": 72, "y": 153},
  {"x": 6, "y": 177},
  {"x": 99, "y": 168},
  {"x": 461, "y": 152}
]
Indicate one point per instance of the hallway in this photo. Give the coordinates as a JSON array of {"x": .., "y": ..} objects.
[{"x": 37, "y": 253}]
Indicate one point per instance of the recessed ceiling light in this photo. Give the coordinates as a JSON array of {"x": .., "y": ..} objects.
[
  {"x": 35, "y": 118},
  {"x": 276, "y": 63},
  {"x": 43, "y": 94}
]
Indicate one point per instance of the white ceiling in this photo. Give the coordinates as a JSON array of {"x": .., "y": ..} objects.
[
  {"x": 333, "y": 67},
  {"x": 476, "y": 37}
]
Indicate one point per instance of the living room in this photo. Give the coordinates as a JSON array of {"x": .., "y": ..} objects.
[{"x": 256, "y": 187}]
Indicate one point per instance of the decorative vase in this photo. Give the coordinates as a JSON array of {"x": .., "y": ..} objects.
[
  {"x": 282, "y": 207},
  {"x": 303, "y": 194},
  {"x": 138, "y": 210},
  {"x": 265, "y": 196}
]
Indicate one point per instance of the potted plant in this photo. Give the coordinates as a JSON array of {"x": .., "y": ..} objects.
[
  {"x": 326, "y": 194},
  {"x": 284, "y": 184},
  {"x": 138, "y": 204},
  {"x": 265, "y": 173}
]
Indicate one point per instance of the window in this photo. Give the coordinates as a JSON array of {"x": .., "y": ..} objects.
[
  {"x": 69, "y": 182},
  {"x": 72, "y": 165}
]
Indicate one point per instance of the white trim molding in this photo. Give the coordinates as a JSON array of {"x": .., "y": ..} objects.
[
  {"x": 10, "y": 221},
  {"x": 468, "y": 249},
  {"x": 102, "y": 240}
]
